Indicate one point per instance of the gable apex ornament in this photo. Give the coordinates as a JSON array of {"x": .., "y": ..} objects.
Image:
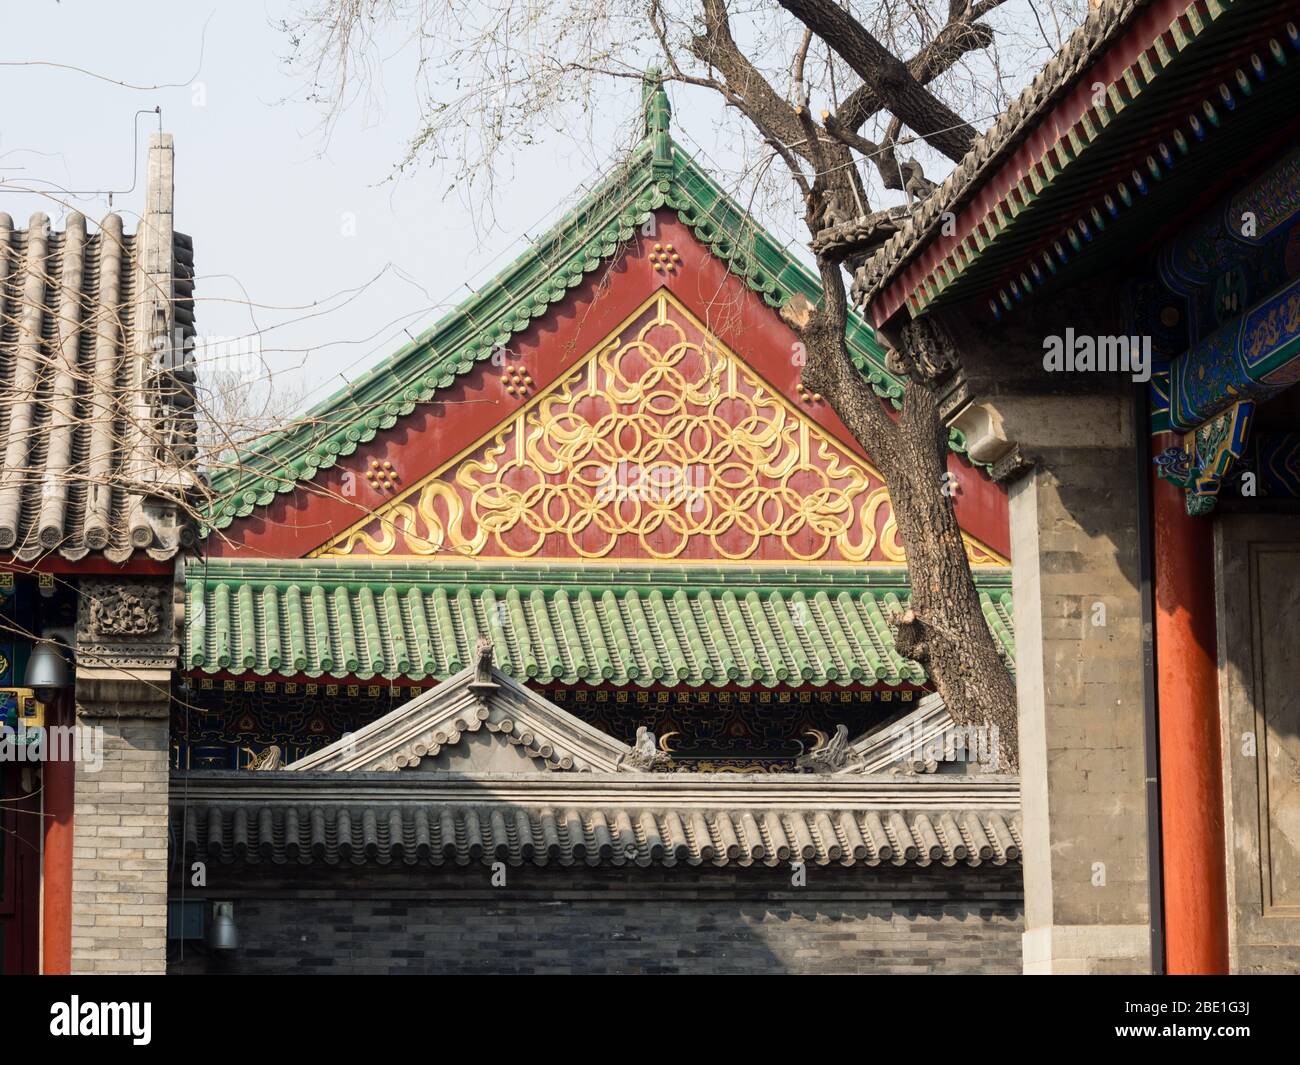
[
  {"x": 467, "y": 725},
  {"x": 482, "y": 686},
  {"x": 657, "y": 113}
]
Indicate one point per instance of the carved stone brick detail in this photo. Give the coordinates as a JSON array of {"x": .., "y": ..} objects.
[
  {"x": 126, "y": 612},
  {"x": 126, "y": 623}
]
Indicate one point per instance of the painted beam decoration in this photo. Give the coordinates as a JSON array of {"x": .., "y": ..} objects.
[
  {"x": 1252, "y": 358},
  {"x": 1206, "y": 456},
  {"x": 1246, "y": 247},
  {"x": 1240, "y": 353}
]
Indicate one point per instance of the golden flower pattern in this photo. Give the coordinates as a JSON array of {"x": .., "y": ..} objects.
[{"x": 661, "y": 445}]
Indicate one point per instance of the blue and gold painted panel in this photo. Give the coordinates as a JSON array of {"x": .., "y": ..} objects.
[{"x": 1223, "y": 303}]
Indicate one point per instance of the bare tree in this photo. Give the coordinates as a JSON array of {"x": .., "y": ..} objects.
[
  {"x": 237, "y": 407},
  {"x": 888, "y": 77}
]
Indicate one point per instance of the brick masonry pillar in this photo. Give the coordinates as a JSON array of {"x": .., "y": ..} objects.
[
  {"x": 119, "y": 881},
  {"x": 126, "y": 658},
  {"x": 1079, "y": 676}
]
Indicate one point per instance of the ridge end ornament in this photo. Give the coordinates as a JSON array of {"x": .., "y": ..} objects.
[
  {"x": 830, "y": 753},
  {"x": 269, "y": 759},
  {"x": 482, "y": 686},
  {"x": 645, "y": 755}
]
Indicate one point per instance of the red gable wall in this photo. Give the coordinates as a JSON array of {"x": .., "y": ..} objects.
[{"x": 299, "y": 522}]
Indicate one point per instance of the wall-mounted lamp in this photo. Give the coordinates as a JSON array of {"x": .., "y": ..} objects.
[
  {"x": 47, "y": 671},
  {"x": 223, "y": 938}
]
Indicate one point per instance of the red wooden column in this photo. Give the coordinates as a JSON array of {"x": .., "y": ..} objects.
[
  {"x": 60, "y": 787},
  {"x": 1191, "y": 773}
]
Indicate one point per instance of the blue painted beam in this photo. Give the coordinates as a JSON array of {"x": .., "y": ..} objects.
[{"x": 1253, "y": 357}]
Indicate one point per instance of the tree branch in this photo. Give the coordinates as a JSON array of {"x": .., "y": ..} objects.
[
  {"x": 951, "y": 43},
  {"x": 716, "y": 47},
  {"x": 902, "y": 94},
  {"x": 788, "y": 129}
]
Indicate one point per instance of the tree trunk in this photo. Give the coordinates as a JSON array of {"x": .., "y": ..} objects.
[
  {"x": 945, "y": 629},
  {"x": 949, "y": 630}
]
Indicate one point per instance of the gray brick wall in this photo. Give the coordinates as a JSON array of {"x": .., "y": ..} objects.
[
  {"x": 1079, "y": 676},
  {"x": 612, "y": 920},
  {"x": 119, "y": 880}
]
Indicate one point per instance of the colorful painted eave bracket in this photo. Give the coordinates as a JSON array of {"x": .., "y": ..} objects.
[{"x": 1201, "y": 465}]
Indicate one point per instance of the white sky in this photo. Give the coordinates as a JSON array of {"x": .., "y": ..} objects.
[{"x": 269, "y": 205}]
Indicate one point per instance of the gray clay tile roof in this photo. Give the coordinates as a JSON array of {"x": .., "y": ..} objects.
[
  {"x": 595, "y": 819},
  {"x": 1104, "y": 25},
  {"x": 96, "y": 418}
]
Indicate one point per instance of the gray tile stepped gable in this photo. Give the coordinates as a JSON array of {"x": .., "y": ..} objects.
[
  {"x": 382, "y": 796},
  {"x": 417, "y": 733},
  {"x": 442, "y": 717}
]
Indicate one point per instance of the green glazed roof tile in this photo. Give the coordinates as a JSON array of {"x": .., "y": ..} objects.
[
  {"x": 593, "y": 231},
  {"x": 741, "y": 626}
]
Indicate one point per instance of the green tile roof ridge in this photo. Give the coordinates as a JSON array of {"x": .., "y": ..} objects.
[
  {"x": 751, "y": 628},
  {"x": 542, "y": 275},
  {"x": 379, "y": 575}
]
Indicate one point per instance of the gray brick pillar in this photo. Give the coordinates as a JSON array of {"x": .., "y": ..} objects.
[
  {"x": 119, "y": 862},
  {"x": 126, "y": 656},
  {"x": 1079, "y": 676}
]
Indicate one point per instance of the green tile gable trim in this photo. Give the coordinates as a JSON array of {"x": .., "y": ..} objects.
[
  {"x": 658, "y": 174},
  {"x": 742, "y": 626}
]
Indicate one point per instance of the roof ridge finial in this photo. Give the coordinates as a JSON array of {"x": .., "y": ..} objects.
[{"x": 657, "y": 113}]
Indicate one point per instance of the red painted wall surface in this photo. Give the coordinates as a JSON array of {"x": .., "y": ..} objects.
[
  {"x": 296, "y": 523},
  {"x": 60, "y": 787}
]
